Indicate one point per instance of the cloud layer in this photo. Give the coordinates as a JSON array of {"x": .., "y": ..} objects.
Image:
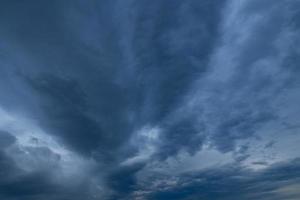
[{"x": 148, "y": 100}]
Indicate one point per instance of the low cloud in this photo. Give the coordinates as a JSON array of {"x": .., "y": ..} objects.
[{"x": 145, "y": 100}]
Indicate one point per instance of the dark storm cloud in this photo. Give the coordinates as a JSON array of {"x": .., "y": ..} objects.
[
  {"x": 161, "y": 76},
  {"x": 123, "y": 181},
  {"x": 38, "y": 182},
  {"x": 85, "y": 92},
  {"x": 14, "y": 183},
  {"x": 118, "y": 86},
  {"x": 65, "y": 106}
]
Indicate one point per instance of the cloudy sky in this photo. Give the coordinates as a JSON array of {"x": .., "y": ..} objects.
[{"x": 150, "y": 100}]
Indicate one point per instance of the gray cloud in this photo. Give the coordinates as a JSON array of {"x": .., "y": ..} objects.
[{"x": 149, "y": 100}]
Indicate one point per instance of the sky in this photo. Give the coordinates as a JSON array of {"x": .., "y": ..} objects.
[{"x": 150, "y": 100}]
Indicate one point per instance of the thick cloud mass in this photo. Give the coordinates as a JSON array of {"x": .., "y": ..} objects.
[{"x": 150, "y": 100}]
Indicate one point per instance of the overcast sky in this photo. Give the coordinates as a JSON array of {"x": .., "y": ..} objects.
[{"x": 150, "y": 100}]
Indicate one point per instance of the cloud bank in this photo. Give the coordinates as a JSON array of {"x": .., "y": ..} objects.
[{"x": 149, "y": 100}]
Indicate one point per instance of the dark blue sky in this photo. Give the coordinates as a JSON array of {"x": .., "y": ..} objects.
[{"x": 150, "y": 100}]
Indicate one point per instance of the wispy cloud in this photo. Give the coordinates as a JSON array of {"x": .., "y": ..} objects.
[{"x": 132, "y": 99}]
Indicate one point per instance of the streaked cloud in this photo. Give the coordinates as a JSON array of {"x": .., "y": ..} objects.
[{"x": 147, "y": 100}]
